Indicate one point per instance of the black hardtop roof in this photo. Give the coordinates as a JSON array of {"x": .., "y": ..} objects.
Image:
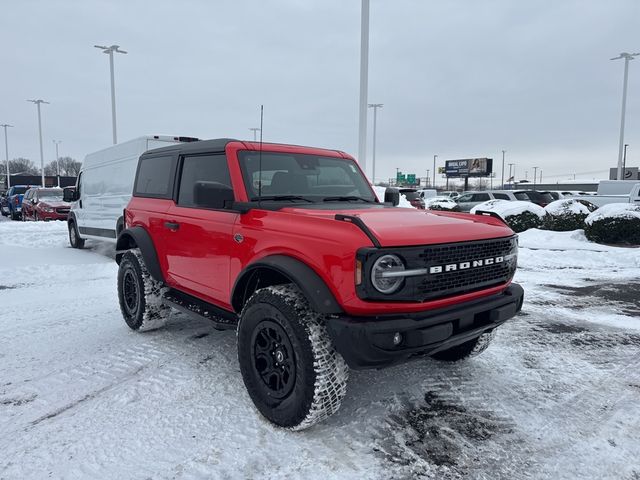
[{"x": 215, "y": 145}]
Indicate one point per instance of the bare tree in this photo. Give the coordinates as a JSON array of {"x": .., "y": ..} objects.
[
  {"x": 69, "y": 167},
  {"x": 22, "y": 166},
  {"x": 50, "y": 169}
]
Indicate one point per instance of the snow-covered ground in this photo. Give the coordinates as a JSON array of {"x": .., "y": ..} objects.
[{"x": 556, "y": 396}]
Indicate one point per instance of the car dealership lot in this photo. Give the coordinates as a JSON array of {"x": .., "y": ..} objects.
[{"x": 81, "y": 396}]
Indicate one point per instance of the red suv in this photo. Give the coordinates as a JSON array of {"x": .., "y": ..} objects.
[
  {"x": 290, "y": 246},
  {"x": 44, "y": 204}
]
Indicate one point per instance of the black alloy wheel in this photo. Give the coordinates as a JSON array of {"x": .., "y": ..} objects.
[
  {"x": 130, "y": 292},
  {"x": 273, "y": 358}
]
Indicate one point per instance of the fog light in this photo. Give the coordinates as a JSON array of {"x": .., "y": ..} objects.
[{"x": 397, "y": 338}]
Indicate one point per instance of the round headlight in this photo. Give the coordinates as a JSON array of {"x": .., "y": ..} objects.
[{"x": 382, "y": 271}]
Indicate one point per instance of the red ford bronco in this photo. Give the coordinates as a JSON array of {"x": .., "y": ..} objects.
[{"x": 290, "y": 246}]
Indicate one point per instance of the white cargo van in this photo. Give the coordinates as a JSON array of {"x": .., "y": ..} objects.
[{"x": 104, "y": 188}]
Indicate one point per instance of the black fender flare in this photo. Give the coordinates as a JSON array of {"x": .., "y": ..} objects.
[
  {"x": 306, "y": 279},
  {"x": 138, "y": 237}
]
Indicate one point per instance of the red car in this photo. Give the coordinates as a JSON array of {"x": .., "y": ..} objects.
[
  {"x": 44, "y": 204},
  {"x": 290, "y": 246}
]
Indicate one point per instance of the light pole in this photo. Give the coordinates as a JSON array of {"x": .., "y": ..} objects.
[
  {"x": 364, "y": 84},
  {"x": 624, "y": 160},
  {"x": 109, "y": 51},
  {"x": 535, "y": 170},
  {"x": 57, "y": 142},
  {"x": 6, "y": 151},
  {"x": 38, "y": 102},
  {"x": 627, "y": 57},
  {"x": 512, "y": 177},
  {"x": 254, "y": 130},
  {"x": 434, "y": 170},
  {"x": 375, "y": 107},
  {"x": 503, "y": 151}
]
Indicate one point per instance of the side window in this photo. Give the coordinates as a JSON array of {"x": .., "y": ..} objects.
[
  {"x": 201, "y": 168},
  {"x": 521, "y": 196},
  {"x": 155, "y": 176},
  {"x": 501, "y": 196},
  {"x": 481, "y": 197},
  {"x": 465, "y": 198}
]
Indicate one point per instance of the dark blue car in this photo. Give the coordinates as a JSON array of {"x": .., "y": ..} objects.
[{"x": 12, "y": 201}]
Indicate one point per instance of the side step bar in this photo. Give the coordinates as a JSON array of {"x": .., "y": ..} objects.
[{"x": 197, "y": 308}]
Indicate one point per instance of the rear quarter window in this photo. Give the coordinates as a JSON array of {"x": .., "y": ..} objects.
[
  {"x": 501, "y": 196},
  {"x": 155, "y": 177}
]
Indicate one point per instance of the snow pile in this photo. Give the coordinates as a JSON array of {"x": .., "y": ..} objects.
[
  {"x": 614, "y": 223},
  {"x": 441, "y": 203},
  {"x": 520, "y": 216},
  {"x": 614, "y": 210},
  {"x": 506, "y": 208},
  {"x": 379, "y": 191},
  {"x": 565, "y": 206}
]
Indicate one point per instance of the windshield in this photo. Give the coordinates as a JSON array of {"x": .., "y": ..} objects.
[
  {"x": 50, "y": 194},
  {"x": 300, "y": 177}
]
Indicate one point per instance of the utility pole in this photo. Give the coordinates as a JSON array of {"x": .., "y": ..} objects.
[
  {"x": 375, "y": 107},
  {"x": 624, "y": 160},
  {"x": 627, "y": 57},
  {"x": 434, "y": 170},
  {"x": 254, "y": 130},
  {"x": 57, "y": 142},
  {"x": 109, "y": 51},
  {"x": 6, "y": 152},
  {"x": 535, "y": 170},
  {"x": 503, "y": 168},
  {"x": 364, "y": 85},
  {"x": 38, "y": 102}
]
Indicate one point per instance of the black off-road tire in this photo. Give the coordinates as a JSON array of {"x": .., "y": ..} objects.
[
  {"x": 74, "y": 236},
  {"x": 465, "y": 350},
  {"x": 310, "y": 381},
  {"x": 140, "y": 295},
  {"x": 16, "y": 216}
]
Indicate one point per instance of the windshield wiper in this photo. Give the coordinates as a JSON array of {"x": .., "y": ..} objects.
[
  {"x": 347, "y": 198},
  {"x": 281, "y": 197}
]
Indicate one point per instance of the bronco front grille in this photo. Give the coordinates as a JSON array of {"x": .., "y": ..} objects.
[{"x": 445, "y": 269}]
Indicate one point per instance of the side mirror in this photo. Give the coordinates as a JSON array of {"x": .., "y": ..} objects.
[
  {"x": 69, "y": 194},
  {"x": 212, "y": 195},
  {"x": 392, "y": 196}
]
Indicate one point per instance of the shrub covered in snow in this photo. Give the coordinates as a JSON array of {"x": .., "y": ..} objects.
[
  {"x": 565, "y": 215},
  {"x": 441, "y": 203},
  {"x": 617, "y": 223},
  {"x": 520, "y": 216}
]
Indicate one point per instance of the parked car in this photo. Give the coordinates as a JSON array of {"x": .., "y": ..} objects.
[
  {"x": 449, "y": 193},
  {"x": 290, "y": 247},
  {"x": 630, "y": 193},
  {"x": 104, "y": 187},
  {"x": 542, "y": 198},
  {"x": 426, "y": 193},
  {"x": 556, "y": 195},
  {"x": 468, "y": 200},
  {"x": 414, "y": 198},
  {"x": 14, "y": 200},
  {"x": 4, "y": 204},
  {"x": 44, "y": 204}
]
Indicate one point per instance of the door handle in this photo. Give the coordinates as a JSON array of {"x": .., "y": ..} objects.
[{"x": 173, "y": 226}]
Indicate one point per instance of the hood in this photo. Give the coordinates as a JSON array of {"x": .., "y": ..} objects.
[
  {"x": 55, "y": 203},
  {"x": 394, "y": 227}
]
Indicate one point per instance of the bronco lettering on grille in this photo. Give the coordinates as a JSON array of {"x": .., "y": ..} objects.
[{"x": 452, "y": 267}]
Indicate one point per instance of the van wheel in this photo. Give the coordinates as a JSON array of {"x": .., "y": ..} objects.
[
  {"x": 74, "y": 237},
  {"x": 140, "y": 296},
  {"x": 468, "y": 349},
  {"x": 289, "y": 366}
]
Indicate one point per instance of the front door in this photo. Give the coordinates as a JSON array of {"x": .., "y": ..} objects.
[{"x": 199, "y": 241}]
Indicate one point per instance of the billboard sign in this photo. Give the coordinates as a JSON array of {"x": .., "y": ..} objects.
[
  {"x": 469, "y": 167},
  {"x": 630, "y": 173}
]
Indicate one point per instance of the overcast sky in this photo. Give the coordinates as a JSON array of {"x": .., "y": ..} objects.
[{"x": 458, "y": 78}]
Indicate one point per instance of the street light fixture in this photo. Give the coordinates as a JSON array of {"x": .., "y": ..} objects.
[
  {"x": 627, "y": 57},
  {"x": 38, "y": 102},
  {"x": 109, "y": 51},
  {"x": 6, "y": 151},
  {"x": 254, "y": 130},
  {"x": 57, "y": 142},
  {"x": 375, "y": 107}
]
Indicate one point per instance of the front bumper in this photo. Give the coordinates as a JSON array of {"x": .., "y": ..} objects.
[{"x": 367, "y": 342}]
